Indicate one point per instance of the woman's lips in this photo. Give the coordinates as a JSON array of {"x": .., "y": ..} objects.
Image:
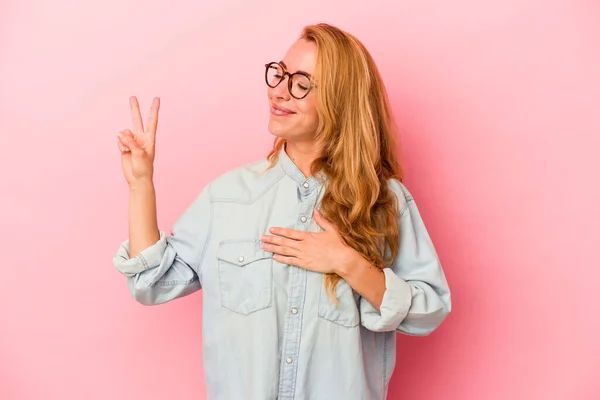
[{"x": 280, "y": 111}]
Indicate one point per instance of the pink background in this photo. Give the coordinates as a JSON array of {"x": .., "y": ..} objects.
[{"x": 499, "y": 104}]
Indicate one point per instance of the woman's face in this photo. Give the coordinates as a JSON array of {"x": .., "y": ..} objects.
[{"x": 295, "y": 120}]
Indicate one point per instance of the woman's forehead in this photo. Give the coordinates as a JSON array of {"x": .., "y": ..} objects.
[{"x": 301, "y": 56}]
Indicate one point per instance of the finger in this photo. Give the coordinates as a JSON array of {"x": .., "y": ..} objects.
[
  {"x": 126, "y": 137},
  {"x": 288, "y": 260},
  {"x": 122, "y": 148},
  {"x": 136, "y": 116},
  {"x": 289, "y": 233},
  {"x": 323, "y": 222},
  {"x": 281, "y": 250},
  {"x": 153, "y": 118},
  {"x": 281, "y": 241}
]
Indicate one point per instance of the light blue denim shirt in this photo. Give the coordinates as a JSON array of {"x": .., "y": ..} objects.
[{"x": 270, "y": 330}]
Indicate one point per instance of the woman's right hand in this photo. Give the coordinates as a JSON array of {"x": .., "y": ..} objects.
[{"x": 137, "y": 147}]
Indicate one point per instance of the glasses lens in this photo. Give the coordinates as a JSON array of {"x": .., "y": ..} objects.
[
  {"x": 300, "y": 85},
  {"x": 274, "y": 74}
]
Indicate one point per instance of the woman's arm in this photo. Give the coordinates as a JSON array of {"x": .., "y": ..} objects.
[
  {"x": 416, "y": 299},
  {"x": 143, "y": 225}
]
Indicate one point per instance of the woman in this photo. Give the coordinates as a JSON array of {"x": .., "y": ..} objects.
[{"x": 310, "y": 260}]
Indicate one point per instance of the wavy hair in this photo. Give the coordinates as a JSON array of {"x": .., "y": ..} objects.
[{"x": 356, "y": 134}]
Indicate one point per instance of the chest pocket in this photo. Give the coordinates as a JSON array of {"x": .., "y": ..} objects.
[
  {"x": 347, "y": 312},
  {"x": 245, "y": 276}
]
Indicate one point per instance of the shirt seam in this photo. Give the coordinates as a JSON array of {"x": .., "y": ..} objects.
[
  {"x": 200, "y": 259},
  {"x": 404, "y": 209},
  {"x": 251, "y": 200}
]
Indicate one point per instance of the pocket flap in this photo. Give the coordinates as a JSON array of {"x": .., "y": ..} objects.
[{"x": 241, "y": 252}]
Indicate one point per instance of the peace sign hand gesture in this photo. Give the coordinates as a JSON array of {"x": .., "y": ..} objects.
[{"x": 137, "y": 147}]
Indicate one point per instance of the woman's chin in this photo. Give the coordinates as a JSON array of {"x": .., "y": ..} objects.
[{"x": 277, "y": 130}]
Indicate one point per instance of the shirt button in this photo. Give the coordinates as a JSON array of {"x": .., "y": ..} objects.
[
  {"x": 289, "y": 360},
  {"x": 241, "y": 259},
  {"x": 306, "y": 185},
  {"x": 303, "y": 219},
  {"x": 294, "y": 311}
]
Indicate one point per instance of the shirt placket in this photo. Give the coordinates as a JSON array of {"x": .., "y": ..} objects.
[{"x": 295, "y": 306}]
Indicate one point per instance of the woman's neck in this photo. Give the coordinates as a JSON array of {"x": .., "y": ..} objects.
[{"x": 303, "y": 154}]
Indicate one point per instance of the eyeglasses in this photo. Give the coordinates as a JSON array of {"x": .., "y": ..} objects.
[{"x": 299, "y": 83}]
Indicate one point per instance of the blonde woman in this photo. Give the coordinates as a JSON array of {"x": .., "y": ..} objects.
[{"x": 310, "y": 260}]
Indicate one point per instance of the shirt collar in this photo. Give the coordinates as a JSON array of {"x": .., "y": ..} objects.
[{"x": 305, "y": 184}]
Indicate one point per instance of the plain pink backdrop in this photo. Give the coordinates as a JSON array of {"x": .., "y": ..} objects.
[{"x": 499, "y": 104}]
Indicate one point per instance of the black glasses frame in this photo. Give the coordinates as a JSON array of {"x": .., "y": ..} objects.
[{"x": 290, "y": 78}]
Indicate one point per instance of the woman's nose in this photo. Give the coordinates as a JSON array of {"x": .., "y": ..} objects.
[{"x": 281, "y": 90}]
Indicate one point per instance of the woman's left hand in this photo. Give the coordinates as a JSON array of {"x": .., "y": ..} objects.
[{"x": 323, "y": 252}]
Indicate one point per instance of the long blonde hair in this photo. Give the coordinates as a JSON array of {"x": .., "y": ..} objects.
[{"x": 359, "y": 151}]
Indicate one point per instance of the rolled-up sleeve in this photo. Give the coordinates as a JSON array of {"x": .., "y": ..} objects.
[
  {"x": 169, "y": 268},
  {"x": 417, "y": 296}
]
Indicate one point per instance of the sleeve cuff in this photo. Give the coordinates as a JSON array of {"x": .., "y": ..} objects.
[
  {"x": 148, "y": 258},
  {"x": 396, "y": 303}
]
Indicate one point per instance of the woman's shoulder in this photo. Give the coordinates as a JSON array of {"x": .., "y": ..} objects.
[
  {"x": 245, "y": 183},
  {"x": 402, "y": 193}
]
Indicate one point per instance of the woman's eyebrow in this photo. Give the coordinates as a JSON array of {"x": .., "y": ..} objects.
[{"x": 285, "y": 66}]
